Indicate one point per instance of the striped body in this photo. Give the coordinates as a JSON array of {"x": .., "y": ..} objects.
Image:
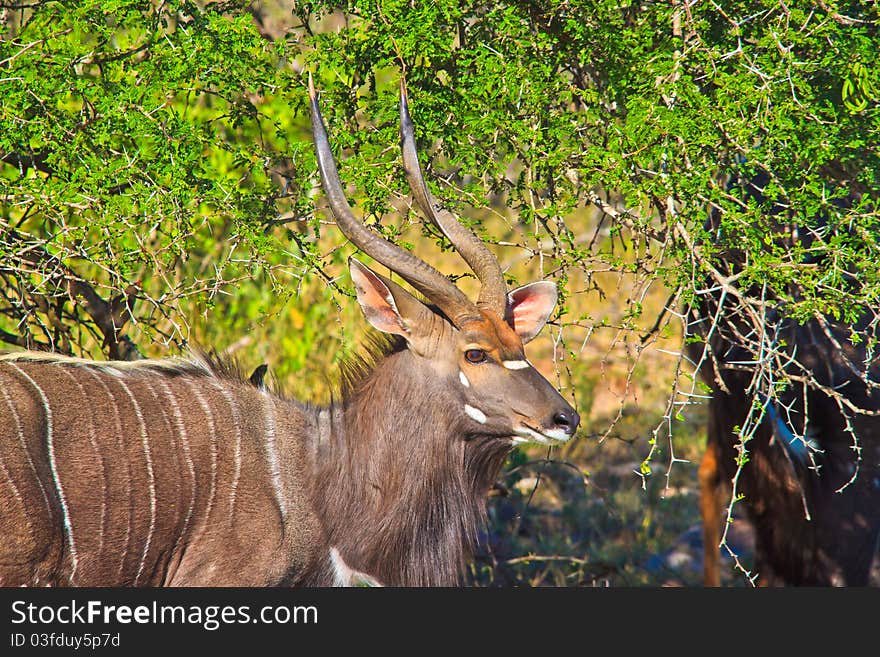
[{"x": 149, "y": 474}]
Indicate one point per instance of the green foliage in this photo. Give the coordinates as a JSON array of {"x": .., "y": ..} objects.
[
  {"x": 656, "y": 106},
  {"x": 160, "y": 153},
  {"x": 133, "y": 141}
]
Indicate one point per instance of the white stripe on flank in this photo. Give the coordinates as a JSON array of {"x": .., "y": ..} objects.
[
  {"x": 100, "y": 458},
  {"x": 54, "y": 467},
  {"x": 325, "y": 426},
  {"x": 181, "y": 431},
  {"x": 145, "y": 442},
  {"x": 516, "y": 364},
  {"x": 463, "y": 379},
  {"x": 272, "y": 451},
  {"x": 21, "y": 440},
  {"x": 475, "y": 413},
  {"x": 24, "y": 507},
  {"x": 119, "y": 440},
  {"x": 212, "y": 434},
  {"x": 237, "y": 422},
  {"x": 18, "y": 496}
]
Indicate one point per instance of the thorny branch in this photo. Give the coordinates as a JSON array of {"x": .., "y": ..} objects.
[{"x": 28, "y": 258}]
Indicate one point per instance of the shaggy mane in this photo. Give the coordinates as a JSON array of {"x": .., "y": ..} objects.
[
  {"x": 170, "y": 366},
  {"x": 353, "y": 370},
  {"x": 356, "y": 368},
  {"x": 198, "y": 362}
]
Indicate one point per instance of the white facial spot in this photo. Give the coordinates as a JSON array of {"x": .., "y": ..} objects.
[
  {"x": 463, "y": 379},
  {"x": 516, "y": 364},
  {"x": 475, "y": 414}
]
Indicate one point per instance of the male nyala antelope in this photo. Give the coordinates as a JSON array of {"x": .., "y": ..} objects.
[{"x": 178, "y": 473}]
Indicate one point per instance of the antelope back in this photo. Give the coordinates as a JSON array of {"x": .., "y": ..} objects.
[{"x": 148, "y": 473}]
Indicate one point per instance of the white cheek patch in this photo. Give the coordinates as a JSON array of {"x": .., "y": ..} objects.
[
  {"x": 463, "y": 379},
  {"x": 516, "y": 364},
  {"x": 475, "y": 414}
]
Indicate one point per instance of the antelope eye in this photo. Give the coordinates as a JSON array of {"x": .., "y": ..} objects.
[{"x": 475, "y": 356}]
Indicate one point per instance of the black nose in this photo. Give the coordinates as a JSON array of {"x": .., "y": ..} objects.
[{"x": 567, "y": 420}]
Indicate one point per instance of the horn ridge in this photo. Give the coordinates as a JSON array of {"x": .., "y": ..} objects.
[
  {"x": 493, "y": 289},
  {"x": 422, "y": 276}
]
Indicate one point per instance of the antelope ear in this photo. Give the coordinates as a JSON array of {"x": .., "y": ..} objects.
[
  {"x": 529, "y": 307},
  {"x": 386, "y": 305}
]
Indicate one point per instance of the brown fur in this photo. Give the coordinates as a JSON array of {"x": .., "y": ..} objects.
[
  {"x": 392, "y": 474},
  {"x": 404, "y": 506},
  {"x": 811, "y": 528},
  {"x": 837, "y": 543},
  {"x": 158, "y": 516}
]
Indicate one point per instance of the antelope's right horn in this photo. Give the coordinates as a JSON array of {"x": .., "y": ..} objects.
[
  {"x": 493, "y": 289},
  {"x": 422, "y": 276}
]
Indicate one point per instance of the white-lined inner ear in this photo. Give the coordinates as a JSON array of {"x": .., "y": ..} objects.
[
  {"x": 376, "y": 300},
  {"x": 529, "y": 307}
]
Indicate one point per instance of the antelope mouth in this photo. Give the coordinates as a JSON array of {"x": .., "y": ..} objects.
[{"x": 529, "y": 434}]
